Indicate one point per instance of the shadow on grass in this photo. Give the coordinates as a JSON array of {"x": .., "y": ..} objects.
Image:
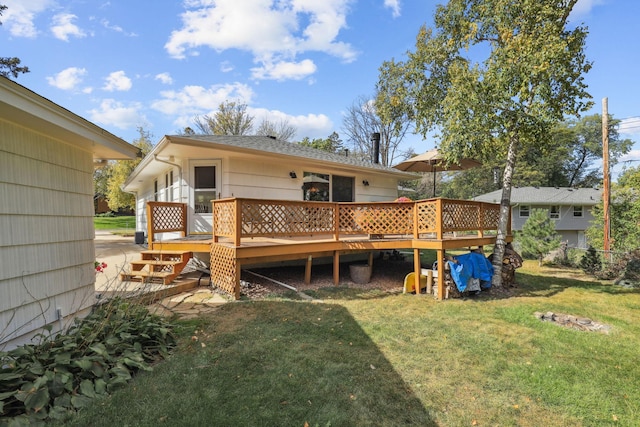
[
  {"x": 280, "y": 363},
  {"x": 539, "y": 285}
]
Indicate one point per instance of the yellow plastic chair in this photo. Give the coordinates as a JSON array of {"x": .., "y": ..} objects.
[{"x": 409, "y": 283}]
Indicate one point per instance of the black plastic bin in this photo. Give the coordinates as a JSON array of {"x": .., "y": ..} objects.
[{"x": 139, "y": 238}]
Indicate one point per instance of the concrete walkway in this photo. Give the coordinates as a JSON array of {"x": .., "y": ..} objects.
[{"x": 189, "y": 296}]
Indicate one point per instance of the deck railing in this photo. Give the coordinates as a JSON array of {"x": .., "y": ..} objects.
[
  {"x": 165, "y": 217},
  {"x": 237, "y": 218}
]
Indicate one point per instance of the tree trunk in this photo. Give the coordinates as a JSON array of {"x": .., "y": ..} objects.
[{"x": 505, "y": 209}]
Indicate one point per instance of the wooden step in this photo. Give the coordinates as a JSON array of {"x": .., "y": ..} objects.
[{"x": 157, "y": 266}]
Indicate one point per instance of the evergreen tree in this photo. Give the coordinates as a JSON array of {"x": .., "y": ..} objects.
[{"x": 538, "y": 236}]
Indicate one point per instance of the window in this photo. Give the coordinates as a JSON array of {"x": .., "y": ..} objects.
[
  {"x": 168, "y": 186},
  {"x": 577, "y": 212},
  {"x": 342, "y": 188},
  {"x": 524, "y": 211},
  {"x": 315, "y": 187},
  {"x": 554, "y": 212},
  {"x": 204, "y": 188},
  {"x": 155, "y": 190}
]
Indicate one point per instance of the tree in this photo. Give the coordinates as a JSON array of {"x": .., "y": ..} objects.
[
  {"x": 282, "y": 130},
  {"x": 230, "y": 119},
  {"x": 332, "y": 143},
  {"x": 572, "y": 160},
  {"x": 624, "y": 215},
  {"x": 10, "y": 66},
  {"x": 529, "y": 78},
  {"x": 362, "y": 121},
  {"x": 538, "y": 236},
  {"x": 120, "y": 171}
]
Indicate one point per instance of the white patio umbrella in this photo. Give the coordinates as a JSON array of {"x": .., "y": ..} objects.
[{"x": 432, "y": 161}]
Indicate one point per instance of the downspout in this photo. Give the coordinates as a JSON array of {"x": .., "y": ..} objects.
[{"x": 155, "y": 157}]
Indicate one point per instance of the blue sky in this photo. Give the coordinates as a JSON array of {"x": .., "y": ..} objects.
[{"x": 124, "y": 64}]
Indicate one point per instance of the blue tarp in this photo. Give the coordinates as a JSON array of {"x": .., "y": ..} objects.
[{"x": 472, "y": 265}]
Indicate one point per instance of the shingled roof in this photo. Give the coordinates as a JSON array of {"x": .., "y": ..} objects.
[
  {"x": 267, "y": 144},
  {"x": 546, "y": 196}
]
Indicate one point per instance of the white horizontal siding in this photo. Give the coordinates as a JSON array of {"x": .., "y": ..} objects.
[
  {"x": 46, "y": 231},
  {"x": 36, "y": 229}
]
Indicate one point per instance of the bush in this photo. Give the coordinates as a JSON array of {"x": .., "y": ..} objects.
[
  {"x": 590, "y": 262},
  {"x": 98, "y": 354}
]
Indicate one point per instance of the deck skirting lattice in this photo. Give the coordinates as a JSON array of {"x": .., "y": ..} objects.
[{"x": 224, "y": 269}]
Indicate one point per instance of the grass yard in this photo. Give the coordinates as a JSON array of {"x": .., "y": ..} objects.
[
  {"x": 116, "y": 223},
  {"x": 367, "y": 358}
]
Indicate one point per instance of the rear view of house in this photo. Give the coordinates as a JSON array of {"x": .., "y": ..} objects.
[
  {"x": 569, "y": 208},
  {"x": 47, "y": 157}
]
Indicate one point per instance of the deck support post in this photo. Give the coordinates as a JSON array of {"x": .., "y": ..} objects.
[
  {"x": 336, "y": 268},
  {"x": 417, "y": 270},
  {"x": 307, "y": 270},
  {"x": 236, "y": 289},
  {"x": 441, "y": 261}
]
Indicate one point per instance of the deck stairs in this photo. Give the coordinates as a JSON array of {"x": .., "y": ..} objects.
[{"x": 157, "y": 266}]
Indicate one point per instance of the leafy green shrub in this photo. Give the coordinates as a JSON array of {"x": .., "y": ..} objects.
[{"x": 98, "y": 354}]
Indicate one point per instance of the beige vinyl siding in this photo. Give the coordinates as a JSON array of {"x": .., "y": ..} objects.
[{"x": 46, "y": 243}]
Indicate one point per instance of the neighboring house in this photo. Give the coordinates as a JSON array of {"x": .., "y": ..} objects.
[
  {"x": 199, "y": 168},
  {"x": 47, "y": 157},
  {"x": 569, "y": 208}
]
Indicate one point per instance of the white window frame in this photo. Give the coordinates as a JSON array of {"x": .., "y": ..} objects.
[
  {"x": 578, "y": 211},
  {"x": 522, "y": 209},
  {"x": 554, "y": 212}
]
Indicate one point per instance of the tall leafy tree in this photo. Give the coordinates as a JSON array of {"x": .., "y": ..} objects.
[
  {"x": 120, "y": 171},
  {"x": 10, "y": 66},
  {"x": 538, "y": 236},
  {"x": 361, "y": 121},
  {"x": 624, "y": 215},
  {"x": 332, "y": 143},
  {"x": 528, "y": 77},
  {"x": 230, "y": 119}
]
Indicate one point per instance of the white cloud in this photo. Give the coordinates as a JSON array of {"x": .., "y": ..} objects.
[
  {"x": 583, "y": 7},
  {"x": 394, "y": 5},
  {"x": 63, "y": 27},
  {"x": 117, "y": 81},
  {"x": 274, "y": 31},
  {"x": 117, "y": 28},
  {"x": 68, "y": 78},
  {"x": 114, "y": 113},
  {"x": 165, "y": 78},
  {"x": 192, "y": 101},
  {"x": 20, "y": 14},
  {"x": 310, "y": 125},
  {"x": 226, "y": 66},
  {"x": 285, "y": 70}
]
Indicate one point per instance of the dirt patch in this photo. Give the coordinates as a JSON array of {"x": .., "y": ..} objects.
[{"x": 387, "y": 275}]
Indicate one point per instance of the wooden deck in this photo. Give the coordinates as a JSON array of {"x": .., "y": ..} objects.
[{"x": 252, "y": 231}]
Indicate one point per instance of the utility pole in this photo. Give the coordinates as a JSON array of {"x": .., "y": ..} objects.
[{"x": 606, "y": 192}]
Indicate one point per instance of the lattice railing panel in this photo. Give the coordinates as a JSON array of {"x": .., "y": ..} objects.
[
  {"x": 223, "y": 269},
  {"x": 427, "y": 218},
  {"x": 377, "y": 218},
  {"x": 266, "y": 218},
  {"x": 167, "y": 217},
  {"x": 224, "y": 218},
  {"x": 490, "y": 217},
  {"x": 460, "y": 216}
]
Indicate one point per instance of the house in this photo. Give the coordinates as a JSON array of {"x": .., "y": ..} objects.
[
  {"x": 196, "y": 169},
  {"x": 569, "y": 208},
  {"x": 47, "y": 157}
]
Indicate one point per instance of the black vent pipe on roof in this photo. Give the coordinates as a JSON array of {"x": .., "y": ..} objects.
[{"x": 375, "y": 138}]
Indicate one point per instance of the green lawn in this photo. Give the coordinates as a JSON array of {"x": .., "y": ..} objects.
[
  {"x": 114, "y": 223},
  {"x": 367, "y": 358}
]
